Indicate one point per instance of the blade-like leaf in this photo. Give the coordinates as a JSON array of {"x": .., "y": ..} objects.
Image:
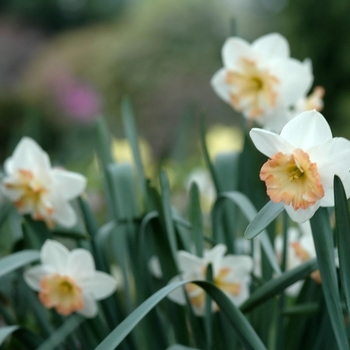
[
  {"x": 180, "y": 347},
  {"x": 322, "y": 234},
  {"x": 207, "y": 160},
  {"x": 240, "y": 324},
  {"x": 6, "y": 331},
  {"x": 196, "y": 219},
  {"x": 342, "y": 218},
  {"x": 16, "y": 260},
  {"x": 277, "y": 285},
  {"x": 166, "y": 206},
  {"x": 301, "y": 309},
  {"x": 62, "y": 333},
  {"x": 265, "y": 216},
  {"x": 131, "y": 134}
]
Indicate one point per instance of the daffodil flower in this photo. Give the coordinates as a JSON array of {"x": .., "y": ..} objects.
[
  {"x": 67, "y": 280},
  {"x": 231, "y": 273},
  {"x": 39, "y": 190},
  {"x": 260, "y": 79},
  {"x": 303, "y": 161}
]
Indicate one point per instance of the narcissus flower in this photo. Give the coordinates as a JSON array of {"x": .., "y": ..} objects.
[
  {"x": 231, "y": 273},
  {"x": 260, "y": 79},
  {"x": 39, "y": 190},
  {"x": 67, "y": 280},
  {"x": 303, "y": 161}
]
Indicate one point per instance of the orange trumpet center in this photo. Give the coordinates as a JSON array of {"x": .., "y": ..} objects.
[
  {"x": 197, "y": 295},
  {"x": 62, "y": 293},
  {"x": 252, "y": 89},
  {"x": 31, "y": 196},
  {"x": 292, "y": 179}
]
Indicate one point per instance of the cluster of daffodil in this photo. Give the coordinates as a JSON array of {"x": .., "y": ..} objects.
[{"x": 204, "y": 277}]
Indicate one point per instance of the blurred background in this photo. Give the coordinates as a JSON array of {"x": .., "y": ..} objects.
[{"x": 64, "y": 63}]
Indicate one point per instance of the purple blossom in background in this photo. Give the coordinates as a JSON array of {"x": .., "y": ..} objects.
[{"x": 78, "y": 100}]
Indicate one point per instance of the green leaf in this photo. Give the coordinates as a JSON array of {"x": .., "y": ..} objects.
[
  {"x": 264, "y": 217},
  {"x": 180, "y": 347},
  {"x": 249, "y": 212},
  {"x": 131, "y": 134},
  {"x": 322, "y": 234},
  {"x": 62, "y": 333},
  {"x": 342, "y": 219},
  {"x": 239, "y": 323},
  {"x": 227, "y": 166},
  {"x": 196, "y": 219},
  {"x": 206, "y": 156},
  {"x": 16, "y": 260},
  {"x": 6, "y": 331},
  {"x": 121, "y": 179},
  {"x": 103, "y": 149},
  {"x": 166, "y": 206},
  {"x": 301, "y": 309},
  {"x": 208, "y": 320},
  {"x": 277, "y": 285}
]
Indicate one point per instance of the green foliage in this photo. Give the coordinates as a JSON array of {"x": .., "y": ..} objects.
[{"x": 141, "y": 222}]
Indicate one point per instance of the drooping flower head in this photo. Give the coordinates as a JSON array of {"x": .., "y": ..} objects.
[
  {"x": 39, "y": 190},
  {"x": 231, "y": 273},
  {"x": 260, "y": 79},
  {"x": 67, "y": 280},
  {"x": 303, "y": 161}
]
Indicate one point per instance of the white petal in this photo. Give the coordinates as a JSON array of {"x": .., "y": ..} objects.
[
  {"x": 301, "y": 215},
  {"x": 100, "y": 286},
  {"x": 189, "y": 264},
  {"x": 296, "y": 80},
  {"x": 215, "y": 256},
  {"x": 328, "y": 199},
  {"x": 215, "y": 253},
  {"x": 242, "y": 265},
  {"x": 71, "y": 184},
  {"x": 28, "y": 155},
  {"x": 243, "y": 295},
  {"x": 307, "y": 130},
  {"x": 33, "y": 276},
  {"x": 178, "y": 295},
  {"x": 90, "y": 307},
  {"x": 80, "y": 264},
  {"x": 218, "y": 83},
  {"x": 332, "y": 157},
  {"x": 233, "y": 50},
  {"x": 63, "y": 213},
  {"x": 54, "y": 255},
  {"x": 272, "y": 45},
  {"x": 269, "y": 143}
]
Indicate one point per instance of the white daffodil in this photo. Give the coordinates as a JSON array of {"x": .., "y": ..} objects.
[
  {"x": 260, "y": 79},
  {"x": 231, "y": 273},
  {"x": 39, "y": 190},
  {"x": 67, "y": 280},
  {"x": 303, "y": 161}
]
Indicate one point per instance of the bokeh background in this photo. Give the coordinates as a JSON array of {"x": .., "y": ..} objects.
[{"x": 64, "y": 63}]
